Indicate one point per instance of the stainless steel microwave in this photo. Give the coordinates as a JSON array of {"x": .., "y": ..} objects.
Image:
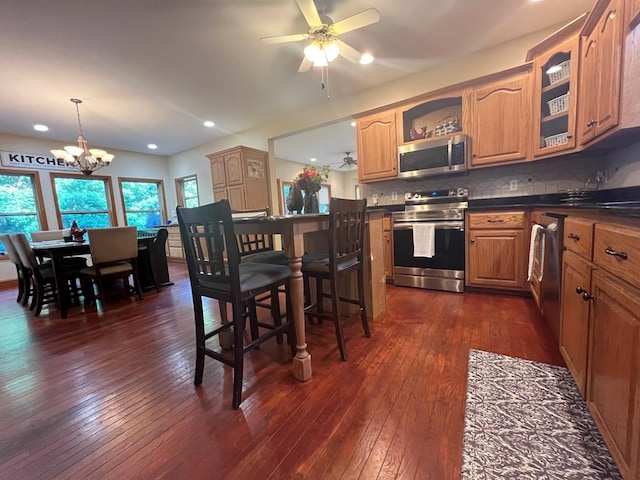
[{"x": 434, "y": 157}]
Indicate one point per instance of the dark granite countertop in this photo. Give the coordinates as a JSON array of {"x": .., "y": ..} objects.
[{"x": 617, "y": 201}]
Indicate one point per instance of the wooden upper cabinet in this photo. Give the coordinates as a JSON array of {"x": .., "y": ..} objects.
[
  {"x": 555, "y": 91},
  {"x": 233, "y": 167},
  {"x": 599, "y": 94},
  {"x": 377, "y": 146},
  {"x": 500, "y": 119},
  {"x": 239, "y": 170},
  {"x": 218, "y": 175}
]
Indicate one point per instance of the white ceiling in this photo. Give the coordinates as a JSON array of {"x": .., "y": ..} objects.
[{"x": 151, "y": 71}]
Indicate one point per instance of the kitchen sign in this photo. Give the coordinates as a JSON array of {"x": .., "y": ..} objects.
[{"x": 25, "y": 160}]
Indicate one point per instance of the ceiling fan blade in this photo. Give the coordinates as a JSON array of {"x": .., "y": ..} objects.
[
  {"x": 358, "y": 20},
  {"x": 285, "y": 38},
  {"x": 305, "y": 66},
  {"x": 348, "y": 52},
  {"x": 310, "y": 12}
]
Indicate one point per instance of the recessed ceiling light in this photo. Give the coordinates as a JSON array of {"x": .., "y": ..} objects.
[
  {"x": 41, "y": 128},
  {"x": 366, "y": 58},
  {"x": 209, "y": 124},
  {"x": 312, "y": 159},
  {"x": 152, "y": 146}
]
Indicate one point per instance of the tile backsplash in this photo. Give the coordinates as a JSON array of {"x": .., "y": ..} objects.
[{"x": 531, "y": 178}]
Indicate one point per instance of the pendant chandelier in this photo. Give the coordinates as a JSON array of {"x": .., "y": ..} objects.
[{"x": 80, "y": 157}]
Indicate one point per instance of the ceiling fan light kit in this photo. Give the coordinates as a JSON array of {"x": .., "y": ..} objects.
[{"x": 321, "y": 52}]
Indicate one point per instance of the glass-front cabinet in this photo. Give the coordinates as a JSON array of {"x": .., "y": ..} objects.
[{"x": 555, "y": 94}]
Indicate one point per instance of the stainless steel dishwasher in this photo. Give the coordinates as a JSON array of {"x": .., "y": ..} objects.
[{"x": 551, "y": 268}]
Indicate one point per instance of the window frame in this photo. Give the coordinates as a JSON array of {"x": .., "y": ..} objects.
[
  {"x": 37, "y": 192},
  {"x": 161, "y": 196},
  {"x": 179, "y": 182},
  {"x": 104, "y": 178}
]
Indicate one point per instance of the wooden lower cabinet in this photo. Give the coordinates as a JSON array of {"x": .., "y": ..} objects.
[
  {"x": 175, "y": 252},
  {"x": 613, "y": 382},
  {"x": 574, "y": 328},
  {"x": 496, "y": 250},
  {"x": 495, "y": 259},
  {"x": 600, "y": 329}
]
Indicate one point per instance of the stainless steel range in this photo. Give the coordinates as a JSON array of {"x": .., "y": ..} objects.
[{"x": 444, "y": 269}]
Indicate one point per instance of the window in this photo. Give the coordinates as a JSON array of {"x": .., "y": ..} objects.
[
  {"x": 324, "y": 195},
  {"x": 20, "y": 207},
  {"x": 187, "y": 191},
  {"x": 142, "y": 202},
  {"x": 87, "y": 200}
]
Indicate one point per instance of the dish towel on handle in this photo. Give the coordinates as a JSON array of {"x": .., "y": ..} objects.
[
  {"x": 536, "y": 231},
  {"x": 424, "y": 240}
]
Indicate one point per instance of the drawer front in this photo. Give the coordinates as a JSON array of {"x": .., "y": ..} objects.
[
  {"x": 578, "y": 236},
  {"x": 617, "y": 249},
  {"x": 497, "y": 220}
]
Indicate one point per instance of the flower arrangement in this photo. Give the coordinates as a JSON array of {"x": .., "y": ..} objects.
[{"x": 310, "y": 179}]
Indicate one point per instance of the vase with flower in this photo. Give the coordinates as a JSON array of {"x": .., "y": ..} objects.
[{"x": 310, "y": 182}]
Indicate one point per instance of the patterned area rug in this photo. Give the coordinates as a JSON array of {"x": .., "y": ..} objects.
[{"x": 526, "y": 420}]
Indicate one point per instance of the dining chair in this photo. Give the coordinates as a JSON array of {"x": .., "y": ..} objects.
[
  {"x": 22, "y": 272},
  {"x": 48, "y": 235},
  {"x": 346, "y": 250},
  {"x": 149, "y": 254},
  {"x": 43, "y": 276},
  {"x": 216, "y": 271},
  {"x": 259, "y": 248},
  {"x": 114, "y": 253}
]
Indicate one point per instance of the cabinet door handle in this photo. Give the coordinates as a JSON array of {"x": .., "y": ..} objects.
[
  {"x": 611, "y": 251},
  {"x": 569, "y": 135},
  {"x": 573, "y": 236},
  {"x": 495, "y": 220},
  {"x": 473, "y": 240},
  {"x": 585, "y": 295}
]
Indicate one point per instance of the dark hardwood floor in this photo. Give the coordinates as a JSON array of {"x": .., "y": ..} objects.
[{"x": 110, "y": 394}]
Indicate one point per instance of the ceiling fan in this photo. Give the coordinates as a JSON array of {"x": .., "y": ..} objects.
[
  {"x": 348, "y": 161},
  {"x": 325, "y": 46}
]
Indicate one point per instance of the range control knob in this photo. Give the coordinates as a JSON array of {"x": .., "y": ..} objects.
[{"x": 463, "y": 192}]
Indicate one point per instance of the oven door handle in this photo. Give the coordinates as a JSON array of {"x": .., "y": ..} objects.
[{"x": 438, "y": 225}]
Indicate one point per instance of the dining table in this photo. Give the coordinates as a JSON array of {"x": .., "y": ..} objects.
[
  {"x": 292, "y": 229},
  {"x": 56, "y": 250}
]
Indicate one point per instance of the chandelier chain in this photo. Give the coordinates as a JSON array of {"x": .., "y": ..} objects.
[{"x": 79, "y": 122}]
